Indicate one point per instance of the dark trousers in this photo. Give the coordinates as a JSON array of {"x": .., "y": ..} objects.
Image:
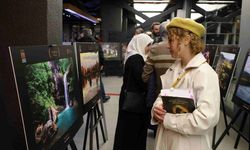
[{"x": 131, "y": 131}]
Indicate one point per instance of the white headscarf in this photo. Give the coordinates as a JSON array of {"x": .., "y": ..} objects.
[{"x": 137, "y": 46}]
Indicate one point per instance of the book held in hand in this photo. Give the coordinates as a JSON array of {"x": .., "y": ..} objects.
[{"x": 178, "y": 100}]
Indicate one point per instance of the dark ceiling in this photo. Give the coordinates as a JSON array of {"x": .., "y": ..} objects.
[{"x": 92, "y": 7}]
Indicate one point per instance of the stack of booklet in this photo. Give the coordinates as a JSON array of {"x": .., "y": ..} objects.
[{"x": 178, "y": 100}]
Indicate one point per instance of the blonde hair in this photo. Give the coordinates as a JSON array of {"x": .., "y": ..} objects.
[{"x": 196, "y": 43}]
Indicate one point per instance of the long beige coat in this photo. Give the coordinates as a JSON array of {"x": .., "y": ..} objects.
[{"x": 189, "y": 131}]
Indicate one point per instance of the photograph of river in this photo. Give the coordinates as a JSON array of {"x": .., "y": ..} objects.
[{"x": 50, "y": 88}]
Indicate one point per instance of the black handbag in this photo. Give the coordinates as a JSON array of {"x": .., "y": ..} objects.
[{"x": 134, "y": 102}]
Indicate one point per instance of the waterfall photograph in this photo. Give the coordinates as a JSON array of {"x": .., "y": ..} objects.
[{"x": 50, "y": 87}]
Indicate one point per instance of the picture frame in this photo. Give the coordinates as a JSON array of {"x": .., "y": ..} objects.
[{"x": 48, "y": 97}]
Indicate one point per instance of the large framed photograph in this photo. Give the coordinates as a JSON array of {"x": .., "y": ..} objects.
[
  {"x": 209, "y": 53},
  {"x": 112, "y": 50},
  {"x": 47, "y": 87},
  {"x": 242, "y": 91},
  {"x": 89, "y": 72},
  {"x": 227, "y": 57}
]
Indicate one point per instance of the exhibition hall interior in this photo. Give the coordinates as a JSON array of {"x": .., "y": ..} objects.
[{"x": 125, "y": 75}]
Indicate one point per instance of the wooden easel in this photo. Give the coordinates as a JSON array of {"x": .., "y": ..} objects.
[{"x": 95, "y": 118}]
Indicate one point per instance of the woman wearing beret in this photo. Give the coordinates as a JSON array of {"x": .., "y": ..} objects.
[
  {"x": 187, "y": 131},
  {"x": 131, "y": 129}
]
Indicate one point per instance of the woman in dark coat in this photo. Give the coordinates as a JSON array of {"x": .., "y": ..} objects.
[{"x": 131, "y": 129}]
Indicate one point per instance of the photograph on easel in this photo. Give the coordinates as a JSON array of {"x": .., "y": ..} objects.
[
  {"x": 242, "y": 92},
  {"x": 225, "y": 66},
  {"x": 91, "y": 75},
  {"x": 112, "y": 50},
  {"x": 47, "y": 87},
  {"x": 89, "y": 72}
]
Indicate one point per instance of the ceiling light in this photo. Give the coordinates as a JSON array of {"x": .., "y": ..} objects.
[{"x": 79, "y": 13}]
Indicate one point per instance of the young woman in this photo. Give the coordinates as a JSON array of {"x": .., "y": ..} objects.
[
  {"x": 131, "y": 129},
  {"x": 187, "y": 131}
]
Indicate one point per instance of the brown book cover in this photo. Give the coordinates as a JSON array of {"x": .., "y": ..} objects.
[{"x": 178, "y": 100}]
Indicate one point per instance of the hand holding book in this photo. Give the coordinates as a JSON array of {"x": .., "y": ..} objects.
[{"x": 159, "y": 113}]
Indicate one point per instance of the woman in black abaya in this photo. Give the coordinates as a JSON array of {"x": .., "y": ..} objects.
[{"x": 131, "y": 129}]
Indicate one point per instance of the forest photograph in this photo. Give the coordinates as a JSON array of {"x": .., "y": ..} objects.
[
  {"x": 243, "y": 89},
  {"x": 50, "y": 88},
  {"x": 224, "y": 69},
  {"x": 90, "y": 72}
]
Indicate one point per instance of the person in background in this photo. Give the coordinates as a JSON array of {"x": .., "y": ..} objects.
[
  {"x": 138, "y": 31},
  {"x": 155, "y": 29},
  {"x": 104, "y": 97},
  {"x": 86, "y": 36},
  {"x": 98, "y": 38},
  {"x": 131, "y": 128},
  {"x": 187, "y": 131},
  {"x": 158, "y": 61},
  {"x": 149, "y": 33}
]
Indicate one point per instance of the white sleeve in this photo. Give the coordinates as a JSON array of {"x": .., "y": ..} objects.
[{"x": 206, "y": 115}]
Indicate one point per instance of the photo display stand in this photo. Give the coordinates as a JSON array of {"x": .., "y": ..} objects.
[
  {"x": 87, "y": 54},
  {"x": 112, "y": 50},
  {"x": 226, "y": 58},
  {"x": 48, "y": 95},
  {"x": 113, "y": 57},
  {"x": 94, "y": 118},
  {"x": 242, "y": 99}
]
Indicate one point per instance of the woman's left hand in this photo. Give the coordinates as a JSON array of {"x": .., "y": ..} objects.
[{"x": 159, "y": 113}]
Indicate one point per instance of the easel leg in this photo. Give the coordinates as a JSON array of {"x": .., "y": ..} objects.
[
  {"x": 227, "y": 129},
  {"x": 104, "y": 121},
  {"x": 91, "y": 130},
  {"x": 86, "y": 131},
  {"x": 214, "y": 136},
  {"x": 225, "y": 121},
  {"x": 96, "y": 127},
  {"x": 224, "y": 112},
  {"x": 73, "y": 145},
  {"x": 101, "y": 125},
  {"x": 241, "y": 129}
]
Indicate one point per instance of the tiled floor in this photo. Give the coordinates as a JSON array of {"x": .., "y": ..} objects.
[{"x": 112, "y": 85}]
